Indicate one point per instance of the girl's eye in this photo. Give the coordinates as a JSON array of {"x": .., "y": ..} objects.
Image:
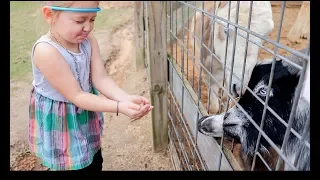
[{"x": 79, "y": 22}]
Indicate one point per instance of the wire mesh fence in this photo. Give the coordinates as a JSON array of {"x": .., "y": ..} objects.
[{"x": 213, "y": 49}]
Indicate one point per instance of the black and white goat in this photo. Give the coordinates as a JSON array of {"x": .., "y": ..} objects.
[{"x": 236, "y": 125}]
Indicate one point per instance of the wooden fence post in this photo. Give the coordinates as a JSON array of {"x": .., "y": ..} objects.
[
  {"x": 157, "y": 26},
  {"x": 138, "y": 12}
]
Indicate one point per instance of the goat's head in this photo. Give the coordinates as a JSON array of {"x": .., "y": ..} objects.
[
  {"x": 261, "y": 23},
  {"x": 237, "y": 125}
]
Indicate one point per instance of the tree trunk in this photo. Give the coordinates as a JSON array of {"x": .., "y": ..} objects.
[{"x": 301, "y": 27}]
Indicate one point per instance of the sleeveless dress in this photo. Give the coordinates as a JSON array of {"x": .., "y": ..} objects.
[{"x": 63, "y": 137}]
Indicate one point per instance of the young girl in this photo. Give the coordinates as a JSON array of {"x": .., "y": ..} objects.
[{"x": 65, "y": 110}]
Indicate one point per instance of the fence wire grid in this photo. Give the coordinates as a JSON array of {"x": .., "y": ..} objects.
[{"x": 191, "y": 77}]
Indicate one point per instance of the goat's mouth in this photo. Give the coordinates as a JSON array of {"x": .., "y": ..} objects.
[
  {"x": 210, "y": 132},
  {"x": 230, "y": 130},
  {"x": 226, "y": 125}
]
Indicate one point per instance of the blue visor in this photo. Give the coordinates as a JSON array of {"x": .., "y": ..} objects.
[{"x": 56, "y": 8}]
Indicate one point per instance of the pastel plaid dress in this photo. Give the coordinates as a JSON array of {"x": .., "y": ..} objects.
[{"x": 62, "y": 137}]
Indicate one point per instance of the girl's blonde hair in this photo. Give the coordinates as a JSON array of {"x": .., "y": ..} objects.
[
  {"x": 65, "y": 4},
  {"x": 39, "y": 24},
  {"x": 59, "y": 3}
]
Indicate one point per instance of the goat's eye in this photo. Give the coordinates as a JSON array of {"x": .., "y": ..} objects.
[{"x": 263, "y": 91}]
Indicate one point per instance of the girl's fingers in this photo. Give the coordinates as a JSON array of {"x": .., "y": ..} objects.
[
  {"x": 143, "y": 110},
  {"x": 136, "y": 113},
  {"x": 138, "y": 116},
  {"x": 139, "y": 100},
  {"x": 145, "y": 100},
  {"x": 146, "y": 112},
  {"x": 151, "y": 107}
]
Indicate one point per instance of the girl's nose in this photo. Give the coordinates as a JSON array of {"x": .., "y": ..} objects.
[{"x": 87, "y": 26}]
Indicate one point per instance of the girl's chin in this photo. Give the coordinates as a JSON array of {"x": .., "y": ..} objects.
[{"x": 78, "y": 40}]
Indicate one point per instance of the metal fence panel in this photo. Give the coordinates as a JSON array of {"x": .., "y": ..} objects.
[{"x": 193, "y": 82}]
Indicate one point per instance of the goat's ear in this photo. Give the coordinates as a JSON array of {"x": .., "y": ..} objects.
[
  {"x": 222, "y": 4},
  {"x": 289, "y": 82}
]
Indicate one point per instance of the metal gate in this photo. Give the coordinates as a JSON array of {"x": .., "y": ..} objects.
[{"x": 189, "y": 27}]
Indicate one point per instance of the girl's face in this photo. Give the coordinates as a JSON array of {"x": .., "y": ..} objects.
[{"x": 74, "y": 27}]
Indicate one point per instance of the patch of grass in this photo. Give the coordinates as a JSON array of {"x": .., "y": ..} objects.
[
  {"x": 27, "y": 25},
  {"x": 23, "y": 16}
]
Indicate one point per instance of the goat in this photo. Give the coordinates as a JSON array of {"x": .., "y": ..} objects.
[
  {"x": 261, "y": 23},
  {"x": 235, "y": 124}
]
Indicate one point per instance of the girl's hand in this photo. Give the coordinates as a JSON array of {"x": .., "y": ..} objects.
[
  {"x": 143, "y": 113},
  {"x": 138, "y": 99},
  {"x": 132, "y": 110}
]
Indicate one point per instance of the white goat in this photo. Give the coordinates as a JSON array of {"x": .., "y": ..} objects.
[{"x": 261, "y": 23}]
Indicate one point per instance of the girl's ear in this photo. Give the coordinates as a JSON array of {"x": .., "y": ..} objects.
[{"x": 48, "y": 14}]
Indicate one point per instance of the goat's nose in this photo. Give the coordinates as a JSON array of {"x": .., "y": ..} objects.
[{"x": 202, "y": 119}]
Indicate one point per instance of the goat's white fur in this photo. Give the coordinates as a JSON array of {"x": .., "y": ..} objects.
[{"x": 261, "y": 23}]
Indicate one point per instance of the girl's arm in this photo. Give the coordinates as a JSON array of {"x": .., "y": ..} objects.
[
  {"x": 54, "y": 68},
  {"x": 100, "y": 79}
]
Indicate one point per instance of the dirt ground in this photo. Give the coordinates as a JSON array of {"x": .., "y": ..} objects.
[{"x": 126, "y": 145}]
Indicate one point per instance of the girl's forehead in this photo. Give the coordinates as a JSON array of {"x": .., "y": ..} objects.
[
  {"x": 83, "y": 4},
  {"x": 81, "y": 14}
]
